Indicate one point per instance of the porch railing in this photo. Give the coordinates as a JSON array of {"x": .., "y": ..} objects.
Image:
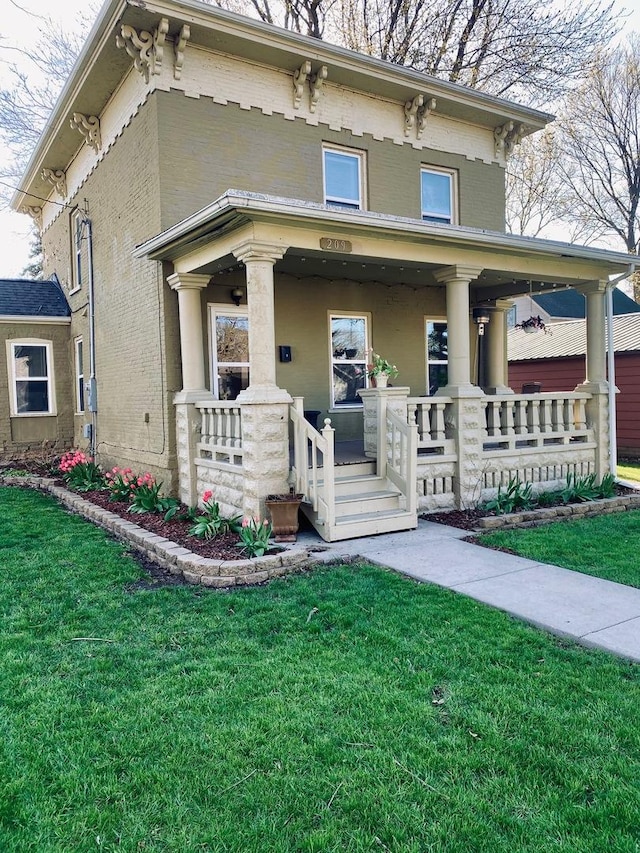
[
  {"x": 220, "y": 431},
  {"x": 535, "y": 420},
  {"x": 313, "y": 467},
  {"x": 397, "y": 456},
  {"x": 434, "y": 419}
]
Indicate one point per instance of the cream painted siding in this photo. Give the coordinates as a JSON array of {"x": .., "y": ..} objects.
[
  {"x": 208, "y": 148},
  {"x": 137, "y": 338}
]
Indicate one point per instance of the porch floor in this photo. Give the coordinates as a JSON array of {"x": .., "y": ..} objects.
[{"x": 345, "y": 453}]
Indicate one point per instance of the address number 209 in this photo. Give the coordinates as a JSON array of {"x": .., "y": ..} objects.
[{"x": 332, "y": 244}]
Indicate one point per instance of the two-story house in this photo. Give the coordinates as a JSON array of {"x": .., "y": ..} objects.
[{"x": 238, "y": 214}]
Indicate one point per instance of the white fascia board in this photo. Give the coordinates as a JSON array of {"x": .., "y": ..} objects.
[{"x": 35, "y": 320}]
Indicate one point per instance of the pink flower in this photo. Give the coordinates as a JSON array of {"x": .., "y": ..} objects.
[
  {"x": 246, "y": 522},
  {"x": 207, "y": 496}
]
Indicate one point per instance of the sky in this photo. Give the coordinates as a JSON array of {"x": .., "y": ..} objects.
[{"x": 20, "y": 30}]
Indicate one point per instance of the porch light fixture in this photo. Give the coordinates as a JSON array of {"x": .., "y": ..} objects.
[
  {"x": 236, "y": 295},
  {"x": 481, "y": 317}
]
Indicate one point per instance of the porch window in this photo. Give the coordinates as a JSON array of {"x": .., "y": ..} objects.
[
  {"x": 349, "y": 344},
  {"x": 77, "y": 229},
  {"x": 229, "y": 336},
  {"x": 30, "y": 369},
  {"x": 343, "y": 178},
  {"x": 437, "y": 355},
  {"x": 79, "y": 375},
  {"x": 438, "y": 192}
]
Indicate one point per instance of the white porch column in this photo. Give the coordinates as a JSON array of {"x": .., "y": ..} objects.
[
  {"x": 265, "y": 407},
  {"x": 497, "y": 361},
  {"x": 596, "y": 373},
  {"x": 468, "y": 412},
  {"x": 188, "y": 287},
  {"x": 457, "y": 280}
]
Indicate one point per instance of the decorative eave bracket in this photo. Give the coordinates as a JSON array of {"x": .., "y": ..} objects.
[
  {"x": 507, "y": 136},
  {"x": 145, "y": 48},
  {"x": 301, "y": 76},
  {"x": 58, "y": 179},
  {"x": 35, "y": 213},
  {"x": 178, "y": 49},
  {"x": 89, "y": 127},
  {"x": 416, "y": 113}
]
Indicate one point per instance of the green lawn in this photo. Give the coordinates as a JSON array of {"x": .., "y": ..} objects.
[
  {"x": 606, "y": 546},
  {"x": 629, "y": 471},
  {"x": 347, "y": 709}
]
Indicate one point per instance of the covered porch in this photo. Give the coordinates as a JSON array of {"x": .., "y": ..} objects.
[{"x": 294, "y": 263}]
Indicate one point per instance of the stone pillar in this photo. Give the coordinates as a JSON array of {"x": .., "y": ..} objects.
[
  {"x": 468, "y": 412},
  {"x": 596, "y": 373},
  {"x": 457, "y": 279},
  {"x": 497, "y": 361},
  {"x": 265, "y": 407},
  {"x": 376, "y": 401},
  {"x": 188, "y": 287}
]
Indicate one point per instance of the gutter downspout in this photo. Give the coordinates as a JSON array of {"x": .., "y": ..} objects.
[
  {"x": 611, "y": 370},
  {"x": 93, "y": 399}
]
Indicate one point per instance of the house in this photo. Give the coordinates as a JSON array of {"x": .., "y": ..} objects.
[
  {"x": 239, "y": 213},
  {"x": 564, "y": 304},
  {"x": 556, "y": 363},
  {"x": 35, "y": 386}
]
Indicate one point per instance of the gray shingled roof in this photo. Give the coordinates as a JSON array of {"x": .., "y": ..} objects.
[
  {"x": 20, "y": 297},
  {"x": 569, "y": 338},
  {"x": 571, "y": 304}
]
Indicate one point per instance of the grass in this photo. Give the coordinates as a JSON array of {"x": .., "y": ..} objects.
[
  {"x": 629, "y": 471},
  {"x": 347, "y": 709},
  {"x": 605, "y": 546}
]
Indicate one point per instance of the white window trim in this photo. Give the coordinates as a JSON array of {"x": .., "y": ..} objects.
[
  {"x": 79, "y": 376},
  {"x": 360, "y": 157},
  {"x": 75, "y": 278},
  {"x": 51, "y": 385},
  {"x": 215, "y": 308},
  {"x": 361, "y": 315},
  {"x": 453, "y": 190},
  {"x": 427, "y": 360}
]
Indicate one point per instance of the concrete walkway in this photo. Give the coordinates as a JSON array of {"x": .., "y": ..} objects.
[{"x": 591, "y": 611}]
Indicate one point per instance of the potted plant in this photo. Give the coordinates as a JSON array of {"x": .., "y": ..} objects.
[
  {"x": 533, "y": 324},
  {"x": 379, "y": 370},
  {"x": 284, "y": 515}
]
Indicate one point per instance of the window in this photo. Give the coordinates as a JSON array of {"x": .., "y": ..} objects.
[
  {"x": 438, "y": 192},
  {"x": 343, "y": 178},
  {"x": 30, "y": 369},
  {"x": 79, "y": 375},
  {"x": 437, "y": 355},
  {"x": 349, "y": 345},
  {"x": 229, "y": 336},
  {"x": 77, "y": 230}
]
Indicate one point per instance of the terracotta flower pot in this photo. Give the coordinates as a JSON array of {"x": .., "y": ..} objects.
[{"x": 283, "y": 510}]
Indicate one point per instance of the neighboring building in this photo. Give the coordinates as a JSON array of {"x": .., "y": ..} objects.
[
  {"x": 565, "y": 304},
  {"x": 556, "y": 362},
  {"x": 243, "y": 212},
  {"x": 36, "y": 392}
]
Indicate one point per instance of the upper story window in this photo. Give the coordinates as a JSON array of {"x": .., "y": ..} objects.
[
  {"x": 438, "y": 192},
  {"x": 77, "y": 229},
  {"x": 343, "y": 177},
  {"x": 349, "y": 345},
  {"x": 31, "y": 377}
]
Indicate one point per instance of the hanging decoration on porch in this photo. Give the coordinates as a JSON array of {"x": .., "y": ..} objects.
[
  {"x": 534, "y": 324},
  {"x": 379, "y": 370}
]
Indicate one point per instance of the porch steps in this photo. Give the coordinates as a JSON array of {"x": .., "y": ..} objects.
[{"x": 365, "y": 504}]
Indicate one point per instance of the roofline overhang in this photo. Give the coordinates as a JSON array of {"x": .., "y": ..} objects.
[
  {"x": 236, "y": 208},
  {"x": 374, "y": 75}
]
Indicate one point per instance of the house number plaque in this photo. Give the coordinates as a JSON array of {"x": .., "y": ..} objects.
[{"x": 332, "y": 244}]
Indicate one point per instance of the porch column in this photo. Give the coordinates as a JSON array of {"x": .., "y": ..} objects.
[
  {"x": 596, "y": 373},
  {"x": 457, "y": 280},
  {"x": 467, "y": 406},
  {"x": 265, "y": 407},
  {"x": 497, "y": 363},
  {"x": 188, "y": 287}
]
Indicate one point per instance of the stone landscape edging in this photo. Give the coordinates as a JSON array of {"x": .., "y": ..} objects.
[
  {"x": 179, "y": 561},
  {"x": 537, "y": 517}
]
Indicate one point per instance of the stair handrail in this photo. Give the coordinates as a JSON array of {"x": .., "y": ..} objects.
[
  {"x": 401, "y": 456},
  {"x": 308, "y": 445}
]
